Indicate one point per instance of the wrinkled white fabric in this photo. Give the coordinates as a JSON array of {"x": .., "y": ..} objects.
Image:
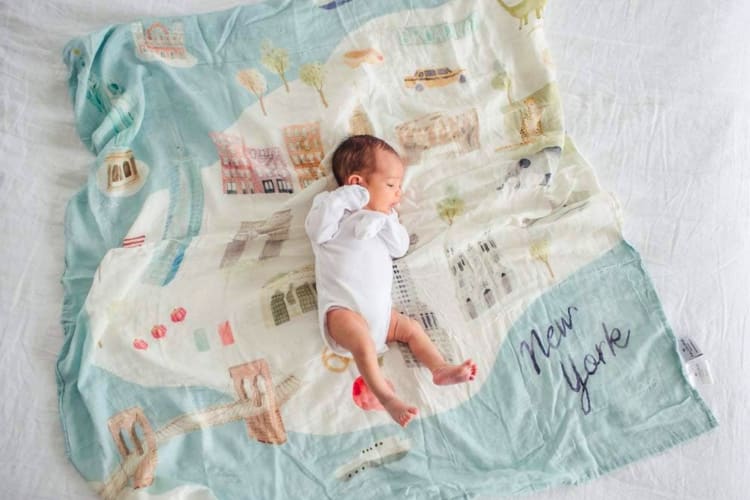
[{"x": 354, "y": 248}]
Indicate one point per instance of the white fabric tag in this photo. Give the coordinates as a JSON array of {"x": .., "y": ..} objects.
[
  {"x": 699, "y": 371},
  {"x": 688, "y": 349},
  {"x": 696, "y": 364}
]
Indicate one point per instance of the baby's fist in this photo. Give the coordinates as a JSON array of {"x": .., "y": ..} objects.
[{"x": 353, "y": 195}]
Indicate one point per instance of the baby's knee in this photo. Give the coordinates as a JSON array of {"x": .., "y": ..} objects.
[{"x": 407, "y": 327}]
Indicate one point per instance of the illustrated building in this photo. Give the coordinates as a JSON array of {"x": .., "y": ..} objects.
[
  {"x": 247, "y": 170},
  {"x": 305, "y": 149},
  {"x": 160, "y": 41},
  {"x": 405, "y": 297},
  {"x": 118, "y": 108},
  {"x": 122, "y": 170},
  {"x": 127, "y": 423},
  {"x": 289, "y": 294},
  {"x": 275, "y": 230},
  {"x": 359, "y": 122},
  {"x": 252, "y": 382},
  {"x": 480, "y": 277},
  {"x": 436, "y": 129}
]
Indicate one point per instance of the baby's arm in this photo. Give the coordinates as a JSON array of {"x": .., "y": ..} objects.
[
  {"x": 394, "y": 235},
  {"x": 328, "y": 208},
  {"x": 373, "y": 224}
]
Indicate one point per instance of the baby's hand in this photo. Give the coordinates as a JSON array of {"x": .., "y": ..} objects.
[
  {"x": 369, "y": 224},
  {"x": 353, "y": 196}
]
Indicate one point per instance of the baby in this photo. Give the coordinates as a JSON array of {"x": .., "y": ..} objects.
[{"x": 355, "y": 233}]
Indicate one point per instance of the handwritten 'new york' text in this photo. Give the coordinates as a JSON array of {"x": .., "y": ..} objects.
[{"x": 577, "y": 379}]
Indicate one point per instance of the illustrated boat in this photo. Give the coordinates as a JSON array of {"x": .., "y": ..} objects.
[
  {"x": 378, "y": 453},
  {"x": 331, "y": 4}
]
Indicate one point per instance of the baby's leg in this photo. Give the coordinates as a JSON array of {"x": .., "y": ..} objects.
[
  {"x": 351, "y": 331},
  {"x": 406, "y": 330}
]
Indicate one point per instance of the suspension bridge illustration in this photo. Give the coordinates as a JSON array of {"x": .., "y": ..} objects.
[{"x": 258, "y": 404}]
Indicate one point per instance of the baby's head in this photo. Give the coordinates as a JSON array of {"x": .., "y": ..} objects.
[{"x": 373, "y": 164}]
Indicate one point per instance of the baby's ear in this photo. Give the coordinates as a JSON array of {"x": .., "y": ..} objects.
[{"x": 354, "y": 179}]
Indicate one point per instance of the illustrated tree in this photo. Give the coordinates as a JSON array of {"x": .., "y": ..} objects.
[
  {"x": 313, "y": 74},
  {"x": 451, "y": 206},
  {"x": 255, "y": 82},
  {"x": 275, "y": 59},
  {"x": 540, "y": 251}
]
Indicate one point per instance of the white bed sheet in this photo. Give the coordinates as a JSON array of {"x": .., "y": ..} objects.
[{"x": 655, "y": 95}]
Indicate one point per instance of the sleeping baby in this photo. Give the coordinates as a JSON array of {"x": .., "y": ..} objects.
[{"x": 355, "y": 234}]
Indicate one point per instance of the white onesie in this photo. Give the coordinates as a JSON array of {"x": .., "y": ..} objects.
[{"x": 353, "y": 248}]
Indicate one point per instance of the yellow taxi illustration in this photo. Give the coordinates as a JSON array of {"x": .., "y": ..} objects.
[{"x": 434, "y": 77}]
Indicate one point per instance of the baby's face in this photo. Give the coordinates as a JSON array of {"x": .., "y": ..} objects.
[{"x": 384, "y": 182}]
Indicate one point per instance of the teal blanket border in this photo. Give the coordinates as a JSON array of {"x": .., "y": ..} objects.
[{"x": 502, "y": 441}]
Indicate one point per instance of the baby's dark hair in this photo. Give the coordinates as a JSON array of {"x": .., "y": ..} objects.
[{"x": 356, "y": 154}]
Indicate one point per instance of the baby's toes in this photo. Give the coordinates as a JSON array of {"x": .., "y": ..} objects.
[{"x": 405, "y": 418}]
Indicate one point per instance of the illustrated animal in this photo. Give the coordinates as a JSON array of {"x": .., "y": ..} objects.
[{"x": 522, "y": 10}]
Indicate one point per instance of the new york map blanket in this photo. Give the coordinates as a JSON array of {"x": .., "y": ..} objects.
[{"x": 192, "y": 364}]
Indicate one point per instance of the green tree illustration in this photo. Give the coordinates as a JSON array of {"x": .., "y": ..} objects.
[
  {"x": 275, "y": 59},
  {"x": 255, "y": 82},
  {"x": 540, "y": 251},
  {"x": 313, "y": 74},
  {"x": 451, "y": 206}
]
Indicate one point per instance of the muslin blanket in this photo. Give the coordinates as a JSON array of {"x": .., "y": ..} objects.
[{"x": 193, "y": 364}]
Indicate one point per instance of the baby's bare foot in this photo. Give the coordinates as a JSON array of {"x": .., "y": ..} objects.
[
  {"x": 455, "y": 374},
  {"x": 401, "y": 412}
]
